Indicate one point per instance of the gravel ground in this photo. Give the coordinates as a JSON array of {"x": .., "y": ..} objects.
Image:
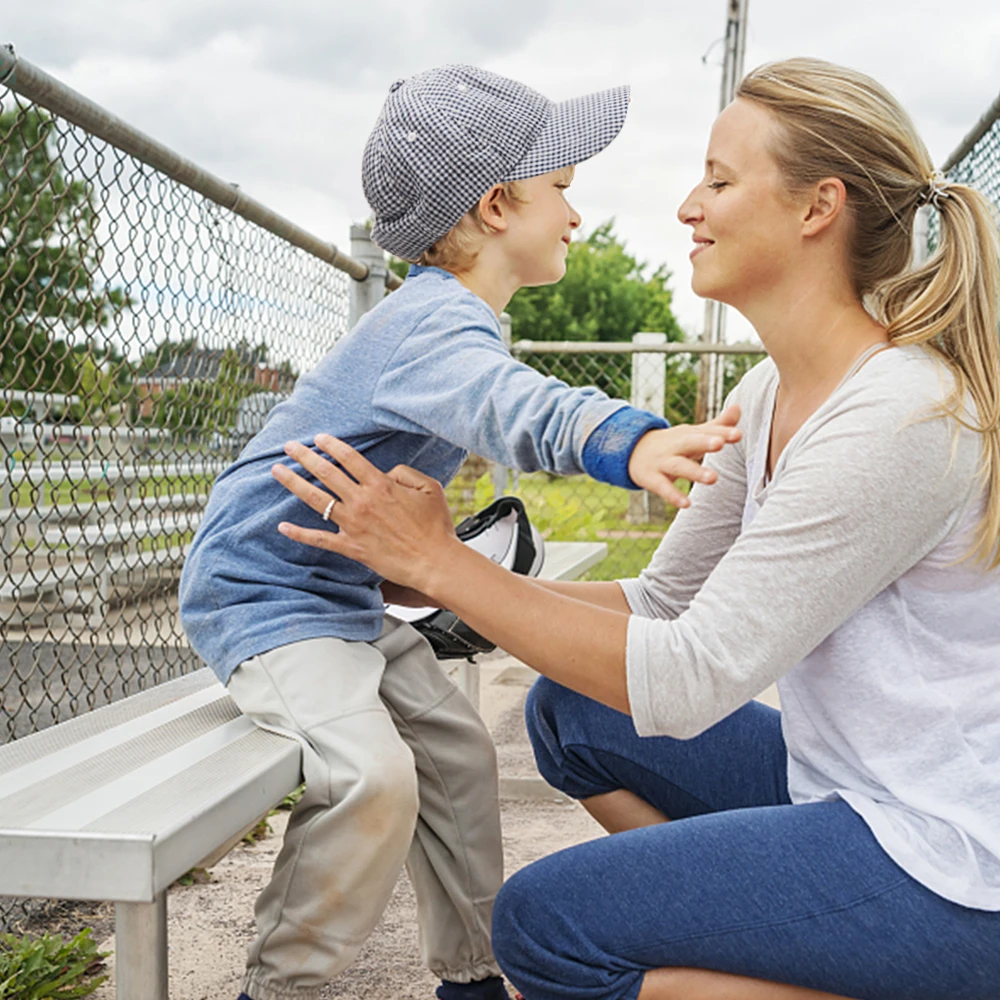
[{"x": 211, "y": 924}]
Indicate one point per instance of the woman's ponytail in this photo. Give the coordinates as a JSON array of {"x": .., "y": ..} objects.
[
  {"x": 950, "y": 305},
  {"x": 836, "y": 121}
]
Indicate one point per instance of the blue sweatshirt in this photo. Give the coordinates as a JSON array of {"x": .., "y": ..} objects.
[{"x": 423, "y": 379}]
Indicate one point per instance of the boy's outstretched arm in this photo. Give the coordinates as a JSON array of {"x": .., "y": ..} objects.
[
  {"x": 454, "y": 379},
  {"x": 662, "y": 456}
]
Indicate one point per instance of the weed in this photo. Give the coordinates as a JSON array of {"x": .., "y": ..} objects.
[
  {"x": 49, "y": 967},
  {"x": 196, "y": 876},
  {"x": 259, "y": 832},
  {"x": 291, "y": 800}
]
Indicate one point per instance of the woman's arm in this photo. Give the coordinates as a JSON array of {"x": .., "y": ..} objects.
[
  {"x": 600, "y": 593},
  {"x": 577, "y": 644},
  {"x": 400, "y": 526}
]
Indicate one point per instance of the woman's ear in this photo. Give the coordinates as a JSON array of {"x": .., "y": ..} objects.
[
  {"x": 826, "y": 205},
  {"x": 493, "y": 209}
]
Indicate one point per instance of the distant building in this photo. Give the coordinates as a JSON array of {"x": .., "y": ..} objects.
[{"x": 197, "y": 365}]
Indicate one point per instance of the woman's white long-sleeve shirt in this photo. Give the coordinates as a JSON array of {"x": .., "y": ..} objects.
[{"x": 841, "y": 579}]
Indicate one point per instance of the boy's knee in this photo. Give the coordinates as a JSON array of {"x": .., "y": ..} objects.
[
  {"x": 479, "y": 748},
  {"x": 389, "y": 784}
]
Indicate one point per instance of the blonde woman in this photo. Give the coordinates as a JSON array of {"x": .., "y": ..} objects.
[{"x": 850, "y": 551}]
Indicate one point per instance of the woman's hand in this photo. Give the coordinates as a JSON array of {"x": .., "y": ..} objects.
[{"x": 396, "y": 523}]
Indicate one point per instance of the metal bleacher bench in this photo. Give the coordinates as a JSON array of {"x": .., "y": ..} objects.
[
  {"x": 118, "y": 803},
  {"x": 80, "y": 554}
]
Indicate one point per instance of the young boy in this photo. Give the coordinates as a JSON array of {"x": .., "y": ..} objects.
[{"x": 465, "y": 172}]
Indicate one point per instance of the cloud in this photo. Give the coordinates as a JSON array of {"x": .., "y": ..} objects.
[
  {"x": 280, "y": 97},
  {"x": 352, "y": 45}
]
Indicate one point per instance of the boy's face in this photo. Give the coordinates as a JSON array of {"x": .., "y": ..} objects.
[{"x": 540, "y": 228}]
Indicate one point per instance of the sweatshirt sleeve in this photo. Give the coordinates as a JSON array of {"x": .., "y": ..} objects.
[
  {"x": 859, "y": 497},
  {"x": 454, "y": 379}
]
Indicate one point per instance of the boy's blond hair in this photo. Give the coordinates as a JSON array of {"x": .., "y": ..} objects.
[{"x": 458, "y": 249}]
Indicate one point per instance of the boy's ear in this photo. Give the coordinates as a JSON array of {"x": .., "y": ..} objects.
[
  {"x": 829, "y": 197},
  {"x": 493, "y": 208}
]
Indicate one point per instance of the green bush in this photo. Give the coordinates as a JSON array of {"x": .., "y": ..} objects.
[{"x": 49, "y": 968}]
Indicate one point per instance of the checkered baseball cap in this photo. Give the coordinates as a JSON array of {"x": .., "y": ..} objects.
[{"x": 447, "y": 135}]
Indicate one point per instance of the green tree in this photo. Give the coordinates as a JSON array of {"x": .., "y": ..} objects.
[
  {"x": 50, "y": 258},
  {"x": 605, "y": 295}
]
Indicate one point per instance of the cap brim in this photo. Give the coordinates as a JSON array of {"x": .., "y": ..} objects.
[{"x": 575, "y": 131}]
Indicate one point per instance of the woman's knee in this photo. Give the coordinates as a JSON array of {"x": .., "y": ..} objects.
[
  {"x": 515, "y": 945},
  {"x": 544, "y": 711},
  {"x": 565, "y": 729},
  {"x": 542, "y": 935}
]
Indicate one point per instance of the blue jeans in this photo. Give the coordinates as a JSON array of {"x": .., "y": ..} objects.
[{"x": 741, "y": 882}]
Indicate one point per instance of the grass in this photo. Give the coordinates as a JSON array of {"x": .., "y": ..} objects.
[{"x": 575, "y": 509}]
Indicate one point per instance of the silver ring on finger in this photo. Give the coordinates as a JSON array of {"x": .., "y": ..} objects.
[{"x": 329, "y": 509}]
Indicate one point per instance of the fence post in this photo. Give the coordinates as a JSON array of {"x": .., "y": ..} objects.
[
  {"x": 499, "y": 473},
  {"x": 921, "y": 235},
  {"x": 649, "y": 389},
  {"x": 7, "y": 511},
  {"x": 368, "y": 292}
]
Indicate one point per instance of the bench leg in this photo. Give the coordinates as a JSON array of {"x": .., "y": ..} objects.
[
  {"x": 141, "y": 950},
  {"x": 468, "y": 681}
]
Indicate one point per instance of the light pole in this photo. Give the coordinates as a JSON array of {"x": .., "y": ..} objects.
[{"x": 711, "y": 370}]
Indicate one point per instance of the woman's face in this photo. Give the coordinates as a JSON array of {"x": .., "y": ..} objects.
[{"x": 745, "y": 224}]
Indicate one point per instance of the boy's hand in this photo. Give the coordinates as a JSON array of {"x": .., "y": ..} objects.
[{"x": 662, "y": 456}]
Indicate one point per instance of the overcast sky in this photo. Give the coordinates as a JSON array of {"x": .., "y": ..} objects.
[{"x": 280, "y": 96}]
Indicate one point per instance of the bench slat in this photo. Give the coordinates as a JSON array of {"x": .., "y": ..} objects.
[
  {"x": 570, "y": 560},
  {"x": 109, "y": 535},
  {"x": 114, "y": 736},
  {"x": 89, "y": 811},
  {"x": 28, "y": 585}
]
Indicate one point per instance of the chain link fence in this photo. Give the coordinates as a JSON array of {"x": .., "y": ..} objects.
[
  {"x": 976, "y": 162},
  {"x": 145, "y": 332}
]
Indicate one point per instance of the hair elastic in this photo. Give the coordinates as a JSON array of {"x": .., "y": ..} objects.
[{"x": 936, "y": 189}]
